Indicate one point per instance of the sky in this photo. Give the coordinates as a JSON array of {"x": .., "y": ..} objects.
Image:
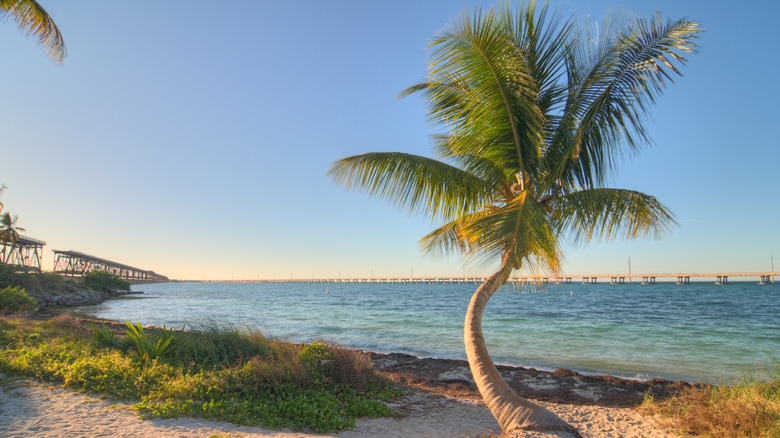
[{"x": 192, "y": 138}]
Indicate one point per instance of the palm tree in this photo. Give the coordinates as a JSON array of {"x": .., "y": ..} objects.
[
  {"x": 538, "y": 110},
  {"x": 9, "y": 232},
  {"x": 33, "y": 20}
]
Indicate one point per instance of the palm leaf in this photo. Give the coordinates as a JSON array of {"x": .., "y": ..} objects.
[
  {"x": 482, "y": 87},
  {"x": 611, "y": 213},
  {"x": 612, "y": 84},
  {"x": 417, "y": 184},
  {"x": 540, "y": 33},
  {"x": 450, "y": 238},
  {"x": 34, "y": 21},
  {"x": 521, "y": 230}
]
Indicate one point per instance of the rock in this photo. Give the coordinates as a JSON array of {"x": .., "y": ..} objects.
[{"x": 70, "y": 297}]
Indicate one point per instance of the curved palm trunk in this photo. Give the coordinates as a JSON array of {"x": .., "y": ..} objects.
[{"x": 512, "y": 411}]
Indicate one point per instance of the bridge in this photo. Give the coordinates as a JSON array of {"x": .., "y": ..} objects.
[
  {"x": 77, "y": 264},
  {"x": 682, "y": 278},
  {"x": 25, "y": 252}
]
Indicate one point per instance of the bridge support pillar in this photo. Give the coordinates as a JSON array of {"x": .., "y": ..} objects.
[{"x": 722, "y": 279}]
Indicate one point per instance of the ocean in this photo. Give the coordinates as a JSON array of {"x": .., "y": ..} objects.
[{"x": 696, "y": 332}]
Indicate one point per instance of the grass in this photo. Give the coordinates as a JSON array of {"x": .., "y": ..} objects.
[
  {"x": 750, "y": 408},
  {"x": 215, "y": 372}
]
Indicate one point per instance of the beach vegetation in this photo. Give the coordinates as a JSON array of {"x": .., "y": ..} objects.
[
  {"x": 35, "y": 281},
  {"x": 747, "y": 409},
  {"x": 105, "y": 281},
  {"x": 538, "y": 111},
  {"x": 42, "y": 286},
  {"x": 211, "y": 344},
  {"x": 103, "y": 335},
  {"x": 15, "y": 299},
  {"x": 258, "y": 382},
  {"x": 145, "y": 343},
  {"x": 10, "y": 275}
]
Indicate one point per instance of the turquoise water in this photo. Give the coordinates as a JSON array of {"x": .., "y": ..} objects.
[{"x": 696, "y": 332}]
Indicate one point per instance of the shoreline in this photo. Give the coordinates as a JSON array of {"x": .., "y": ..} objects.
[
  {"x": 529, "y": 382},
  {"x": 439, "y": 400},
  {"x": 49, "y": 312},
  {"x": 453, "y": 377}
]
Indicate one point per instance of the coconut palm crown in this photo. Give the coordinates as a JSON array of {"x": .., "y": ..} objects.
[
  {"x": 537, "y": 111},
  {"x": 34, "y": 21},
  {"x": 9, "y": 232}
]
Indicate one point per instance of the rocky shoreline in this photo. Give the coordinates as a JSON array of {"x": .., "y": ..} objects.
[
  {"x": 453, "y": 378},
  {"x": 72, "y": 296}
]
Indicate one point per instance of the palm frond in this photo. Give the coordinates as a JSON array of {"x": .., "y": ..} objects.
[
  {"x": 496, "y": 96},
  {"x": 609, "y": 214},
  {"x": 414, "y": 183},
  {"x": 521, "y": 229},
  {"x": 452, "y": 105},
  {"x": 487, "y": 167},
  {"x": 614, "y": 78},
  {"x": 540, "y": 33},
  {"x": 34, "y": 21},
  {"x": 445, "y": 240},
  {"x": 447, "y": 98}
]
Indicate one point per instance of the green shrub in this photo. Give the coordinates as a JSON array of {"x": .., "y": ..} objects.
[
  {"x": 103, "y": 336},
  {"x": 147, "y": 348},
  {"x": 316, "y": 353},
  {"x": 35, "y": 282},
  {"x": 212, "y": 345},
  {"x": 14, "y": 299},
  {"x": 10, "y": 276},
  {"x": 54, "y": 281},
  {"x": 318, "y": 358},
  {"x": 105, "y": 281}
]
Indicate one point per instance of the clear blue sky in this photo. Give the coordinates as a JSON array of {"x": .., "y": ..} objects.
[{"x": 192, "y": 137}]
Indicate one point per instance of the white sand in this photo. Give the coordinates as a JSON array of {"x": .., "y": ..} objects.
[{"x": 30, "y": 408}]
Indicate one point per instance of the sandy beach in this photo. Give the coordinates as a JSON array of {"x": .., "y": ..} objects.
[{"x": 30, "y": 408}]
